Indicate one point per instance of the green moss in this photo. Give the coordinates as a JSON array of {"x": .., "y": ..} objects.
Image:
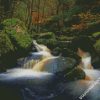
[
  {"x": 20, "y": 40},
  {"x": 47, "y": 35},
  {"x": 12, "y": 22},
  {"x": 65, "y": 38},
  {"x": 96, "y": 34},
  {"x": 48, "y": 40},
  {"x": 5, "y": 44},
  {"x": 17, "y": 32},
  {"x": 97, "y": 46}
]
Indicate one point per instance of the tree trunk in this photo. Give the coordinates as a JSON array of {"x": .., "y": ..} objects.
[
  {"x": 30, "y": 8},
  {"x": 44, "y": 9},
  {"x": 38, "y": 24}
]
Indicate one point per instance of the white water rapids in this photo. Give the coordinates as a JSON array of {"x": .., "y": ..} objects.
[{"x": 36, "y": 79}]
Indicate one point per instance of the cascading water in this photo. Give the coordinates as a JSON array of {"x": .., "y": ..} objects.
[
  {"x": 35, "y": 57},
  {"x": 43, "y": 60},
  {"x": 37, "y": 80}
]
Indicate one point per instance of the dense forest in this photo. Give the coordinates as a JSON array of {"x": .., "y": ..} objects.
[{"x": 50, "y": 22}]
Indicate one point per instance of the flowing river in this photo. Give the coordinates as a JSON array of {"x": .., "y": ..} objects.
[{"x": 35, "y": 78}]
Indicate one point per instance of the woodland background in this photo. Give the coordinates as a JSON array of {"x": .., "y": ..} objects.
[{"x": 50, "y": 22}]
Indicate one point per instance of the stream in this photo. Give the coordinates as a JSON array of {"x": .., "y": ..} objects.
[{"x": 36, "y": 83}]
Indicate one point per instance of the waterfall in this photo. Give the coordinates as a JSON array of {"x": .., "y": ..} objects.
[
  {"x": 47, "y": 58},
  {"x": 35, "y": 57},
  {"x": 40, "y": 47}
]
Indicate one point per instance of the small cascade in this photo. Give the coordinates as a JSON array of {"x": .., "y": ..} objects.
[
  {"x": 43, "y": 60},
  {"x": 42, "y": 50},
  {"x": 40, "y": 47},
  {"x": 30, "y": 64},
  {"x": 27, "y": 62},
  {"x": 35, "y": 57},
  {"x": 49, "y": 62},
  {"x": 92, "y": 73}
]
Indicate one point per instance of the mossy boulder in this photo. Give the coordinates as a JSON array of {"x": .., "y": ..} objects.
[
  {"x": 14, "y": 23},
  {"x": 51, "y": 43},
  {"x": 5, "y": 44},
  {"x": 96, "y": 35},
  {"x": 47, "y": 35},
  {"x": 97, "y": 46},
  {"x": 47, "y": 39},
  {"x": 17, "y": 32},
  {"x": 65, "y": 38}
]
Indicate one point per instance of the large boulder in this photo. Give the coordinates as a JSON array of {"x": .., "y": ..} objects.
[{"x": 17, "y": 32}]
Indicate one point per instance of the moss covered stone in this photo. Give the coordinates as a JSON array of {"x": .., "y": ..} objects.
[
  {"x": 5, "y": 44},
  {"x": 17, "y": 33},
  {"x": 97, "y": 46}
]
